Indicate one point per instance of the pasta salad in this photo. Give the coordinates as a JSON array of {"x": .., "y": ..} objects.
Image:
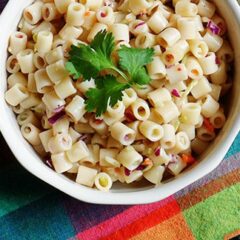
[{"x": 127, "y": 90}]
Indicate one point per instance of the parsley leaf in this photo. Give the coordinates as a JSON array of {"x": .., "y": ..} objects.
[
  {"x": 108, "y": 91},
  {"x": 89, "y": 60},
  {"x": 133, "y": 60}
]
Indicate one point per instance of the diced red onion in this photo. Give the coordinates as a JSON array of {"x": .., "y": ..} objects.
[
  {"x": 85, "y": 138},
  {"x": 129, "y": 115},
  {"x": 127, "y": 172},
  {"x": 157, "y": 151},
  {"x": 138, "y": 25},
  {"x": 59, "y": 109},
  {"x": 175, "y": 93},
  {"x": 56, "y": 117},
  {"x": 103, "y": 14},
  {"x": 213, "y": 28},
  {"x": 218, "y": 62},
  {"x": 140, "y": 168}
]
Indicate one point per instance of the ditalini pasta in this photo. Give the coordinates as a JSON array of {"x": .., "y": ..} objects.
[{"x": 153, "y": 128}]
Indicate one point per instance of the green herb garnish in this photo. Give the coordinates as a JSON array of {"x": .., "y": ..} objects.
[{"x": 89, "y": 61}]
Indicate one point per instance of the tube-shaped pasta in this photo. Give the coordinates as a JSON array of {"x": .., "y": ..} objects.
[
  {"x": 86, "y": 176},
  {"x": 78, "y": 151},
  {"x": 202, "y": 88},
  {"x": 61, "y": 163},
  {"x": 209, "y": 107},
  {"x": 226, "y": 52},
  {"x": 42, "y": 81},
  {"x": 12, "y": 64},
  {"x": 159, "y": 96},
  {"x": 76, "y": 108},
  {"x": 198, "y": 47},
  {"x": 103, "y": 182},
  {"x": 133, "y": 176},
  {"x": 104, "y": 156},
  {"x": 69, "y": 32},
  {"x": 44, "y": 42},
  {"x": 27, "y": 117},
  {"x": 50, "y": 12},
  {"x": 168, "y": 140},
  {"x": 45, "y": 123},
  {"x": 155, "y": 174},
  {"x": 26, "y": 27},
  {"x": 177, "y": 73},
  {"x": 99, "y": 125},
  {"x": 168, "y": 37},
  {"x": 99, "y": 140},
  {"x": 25, "y": 60},
  {"x": 33, "y": 13},
  {"x": 54, "y": 55},
  {"x": 16, "y": 78},
  {"x": 187, "y": 28},
  {"x": 117, "y": 111},
  {"x": 135, "y": 126},
  {"x": 112, "y": 143},
  {"x": 16, "y": 94},
  {"x": 92, "y": 4},
  {"x": 65, "y": 88},
  {"x": 175, "y": 53},
  {"x": 52, "y": 101},
  {"x": 129, "y": 97},
  {"x": 186, "y": 9},
  {"x": 177, "y": 165},
  {"x": 105, "y": 15},
  {"x": 120, "y": 32},
  {"x": 156, "y": 69},
  {"x": 31, "y": 101},
  {"x": 39, "y": 61},
  {"x": 129, "y": 158},
  {"x": 122, "y": 133},
  {"x": 57, "y": 42},
  {"x": 62, "y": 5},
  {"x": 61, "y": 126},
  {"x": 193, "y": 68},
  {"x": 74, "y": 135},
  {"x": 157, "y": 22},
  {"x": 83, "y": 128},
  {"x": 218, "y": 119},
  {"x": 75, "y": 14},
  {"x": 137, "y": 6},
  {"x": 97, "y": 27},
  {"x": 18, "y": 109},
  {"x": 140, "y": 109},
  {"x": 151, "y": 130},
  {"x": 208, "y": 63},
  {"x": 60, "y": 143},
  {"x": 145, "y": 40},
  {"x": 168, "y": 111},
  {"x": 17, "y": 42},
  {"x": 31, "y": 134},
  {"x": 213, "y": 41},
  {"x": 205, "y": 135},
  {"x": 142, "y": 91},
  {"x": 206, "y": 8},
  {"x": 220, "y": 76},
  {"x": 57, "y": 71},
  {"x": 45, "y": 137},
  {"x": 89, "y": 20},
  {"x": 191, "y": 113},
  {"x": 216, "y": 91},
  {"x": 138, "y": 26},
  {"x": 43, "y": 26},
  {"x": 188, "y": 129},
  {"x": 198, "y": 146},
  {"x": 31, "y": 84}
]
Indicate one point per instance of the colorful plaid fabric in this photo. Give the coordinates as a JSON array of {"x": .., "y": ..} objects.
[{"x": 208, "y": 209}]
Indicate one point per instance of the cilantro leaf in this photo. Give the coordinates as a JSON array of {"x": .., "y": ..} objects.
[
  {"x": 88, "y": 61},
  {"x": 108, "y": 91},
  {"x": 133, "y": 60}
]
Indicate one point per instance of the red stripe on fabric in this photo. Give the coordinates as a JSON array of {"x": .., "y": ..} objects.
[
  {"x": 165, "y": 212},
  {"x": 121, "y": 220}
]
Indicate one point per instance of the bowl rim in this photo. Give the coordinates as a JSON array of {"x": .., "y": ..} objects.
[{"x": 23, "y": 155}]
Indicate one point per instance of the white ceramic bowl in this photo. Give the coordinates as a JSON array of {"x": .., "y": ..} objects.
[{"x": 119, "y": 194}]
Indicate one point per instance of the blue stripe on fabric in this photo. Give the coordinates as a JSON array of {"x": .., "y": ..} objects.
[
  {"x": 45, "y": 219},
  {"x": 85, "y": 215},
  {"x": 235, "y": 148}
]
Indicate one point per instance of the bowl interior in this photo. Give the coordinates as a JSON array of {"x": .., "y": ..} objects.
[{"x": 124, "y": 194}]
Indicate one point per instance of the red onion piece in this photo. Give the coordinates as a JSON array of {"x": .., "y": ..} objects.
[
  {"x": 52, "y": 120},
  {"x": 213, "y": 28},
  {"x": 103, "y": 14},
  {"x": 218, "y": 62},
  {"x": 175, "y": 93},
  {"x": 138, "y": 25},
  {"x": 157, "y": 151},
  {"x": 127, "y": 172},
  {"x": 140, "y": 167},
  {"x": 59, "y": 109}
]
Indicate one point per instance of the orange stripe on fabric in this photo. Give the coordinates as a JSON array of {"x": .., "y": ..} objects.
[
  {"x": 211, "y": 188},
  {"x": 174, "y": 228},
  {"x": 144, "y": 223}
]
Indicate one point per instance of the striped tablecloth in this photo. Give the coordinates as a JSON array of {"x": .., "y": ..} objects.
[{"x": 209, "y": 209}]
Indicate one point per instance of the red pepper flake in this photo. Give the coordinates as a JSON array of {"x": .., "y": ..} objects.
[
  {"x": 189, "y": 159},
  {"x": 207, "y": 124},
  {"x": 103, "y": 14},
  {"x": 129, "y": 115},
  {"x": 157, "y": 151},
  {"x": 175, "y": 93}
]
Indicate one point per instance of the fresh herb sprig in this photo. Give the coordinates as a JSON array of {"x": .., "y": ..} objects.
[{"x": 90, "y": 61}]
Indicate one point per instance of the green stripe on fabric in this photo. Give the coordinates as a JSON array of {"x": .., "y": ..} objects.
[
  {"x": 217, "y": 216},
  {"x": 19, "y": 188},
  {"x": 45, "y": 219}
]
